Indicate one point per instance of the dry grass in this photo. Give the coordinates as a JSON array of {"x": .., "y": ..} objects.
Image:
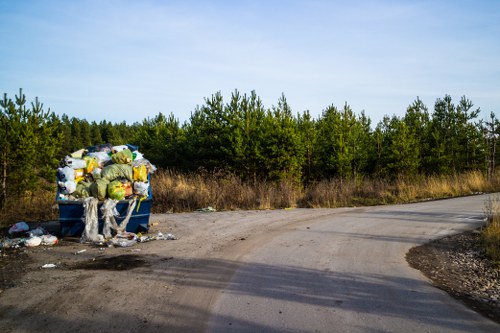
[
  {"x": 39, "y": 206},
  {"x": 491, "y": 231},
  {"x": 177, "y": 192}
]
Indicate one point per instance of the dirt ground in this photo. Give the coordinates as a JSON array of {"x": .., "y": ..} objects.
[{"x": 86, "y": 277}]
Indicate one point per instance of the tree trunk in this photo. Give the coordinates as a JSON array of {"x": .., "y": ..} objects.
[{"x": 3, "y": 189}]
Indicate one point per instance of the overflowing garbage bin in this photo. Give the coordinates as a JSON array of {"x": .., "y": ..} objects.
[{"x": 104, "y": 187}]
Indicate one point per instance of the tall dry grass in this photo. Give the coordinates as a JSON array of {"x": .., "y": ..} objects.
[
  {"x": 35, "y": 207},
  {"x": 175, "y": 192},
  {"x": 178, "y": 192},
  {"x": 491, "y": 231}
]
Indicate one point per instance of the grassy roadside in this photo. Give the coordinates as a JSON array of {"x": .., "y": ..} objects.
[
  {"x": 491, "y": 231},
  {"x": 176, "y": 192}
]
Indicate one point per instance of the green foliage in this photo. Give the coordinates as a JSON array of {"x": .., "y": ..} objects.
[
  {"x": 343, "y": 143},
  {"x": 161, "y": 140},
  {"x": 30, "y": 146},
  {"x": 243, "y": 138},
  {"x": 281, "y": 149}
]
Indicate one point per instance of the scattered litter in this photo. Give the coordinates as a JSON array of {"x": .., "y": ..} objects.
[
  {"x": 18, "y": 228},
  {"x": 208, "y": 209},
  {"x": 49, "y": 266},
  {"x": 81, "y": 251},
  {"x": 123, "y": 242},
  {"x": 35, "y": 237},
  {"x": 11, "y": 243},
  {"x": 161, "y": 236}
]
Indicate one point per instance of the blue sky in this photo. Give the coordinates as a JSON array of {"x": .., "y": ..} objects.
[{"x": 128, "y": 60}]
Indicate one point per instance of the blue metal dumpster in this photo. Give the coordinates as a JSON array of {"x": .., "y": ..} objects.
[{"x": 71, "y": 216}]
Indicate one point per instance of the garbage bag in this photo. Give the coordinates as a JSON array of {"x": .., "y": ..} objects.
[
  {"x": 82, "y": 190},
  {"x": 103, "y": 158},
  {"x": 122, "y": 157},
  {"x": 92, "y": 164},
  {"x": 140, "y": 173},
  {"x": 127, "y": 186},
  {"x": 67, "y": 187},
  {"x": 141, "y": 188},
  {"x": 113, "y": 171},
  {"x": 75, "y": 163},
  {"x": 18, "y": 228},
  {"x": 33, "y": 241},
  {"x": 49, "y": 240},
  {"x": 65, "y": 174},
  {"x": 119, "y": 148},
  {"x": 116, "y": 190},
  {"x": 98, "y": 188},
  {"x": 106, "y": 148},
  {"x": 138, "y": 162}
]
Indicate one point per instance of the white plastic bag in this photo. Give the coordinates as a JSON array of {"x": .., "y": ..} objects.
[
  {"x": 65, "y": 174},
  {"x": 33, "y": 241},
  {"x": 49, "y": 240},
  {"x": 141, "y": 188},
  {"x": 67, "y": 187},
  {"x": 102, "y": 157},
  {"x": 117, "y": 149},
  {"x": 75, "y": 163}
]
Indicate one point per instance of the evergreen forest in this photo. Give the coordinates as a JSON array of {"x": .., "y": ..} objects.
[{"x": 241, "y": 137}]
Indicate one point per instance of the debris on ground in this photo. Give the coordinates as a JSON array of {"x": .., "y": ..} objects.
[{"x": 208, "y": 209}]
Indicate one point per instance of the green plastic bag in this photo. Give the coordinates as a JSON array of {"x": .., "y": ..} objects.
[
  {"x": 123, "y": 157},
  {"x": 113, "y": 171},
  {"x": 116, "y": 191},
  {"x": 82, "y": 190},
  {"x": 99, "y": 189}
]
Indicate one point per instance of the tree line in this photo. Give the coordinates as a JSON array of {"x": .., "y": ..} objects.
[{"x": 243, "y": 137}]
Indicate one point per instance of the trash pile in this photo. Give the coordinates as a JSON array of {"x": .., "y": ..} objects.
[
  {"x": 23, "y": 236},
  {"x": 104, "y": 172},
  {"x": 99, "y": 177}
]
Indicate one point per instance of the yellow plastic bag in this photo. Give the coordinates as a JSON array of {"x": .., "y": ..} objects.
[
  {"x": 140, "y": 173},
  {"x": 92, "y": 164}
]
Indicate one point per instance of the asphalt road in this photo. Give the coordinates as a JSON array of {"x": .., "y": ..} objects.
[{"x": 345, "y": 271}]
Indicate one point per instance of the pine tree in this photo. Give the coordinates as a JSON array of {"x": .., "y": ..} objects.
[{"x": 30, "y": 148}]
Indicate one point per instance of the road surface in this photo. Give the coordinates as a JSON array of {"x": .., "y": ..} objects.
[{"x": 298, "y": 270}]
